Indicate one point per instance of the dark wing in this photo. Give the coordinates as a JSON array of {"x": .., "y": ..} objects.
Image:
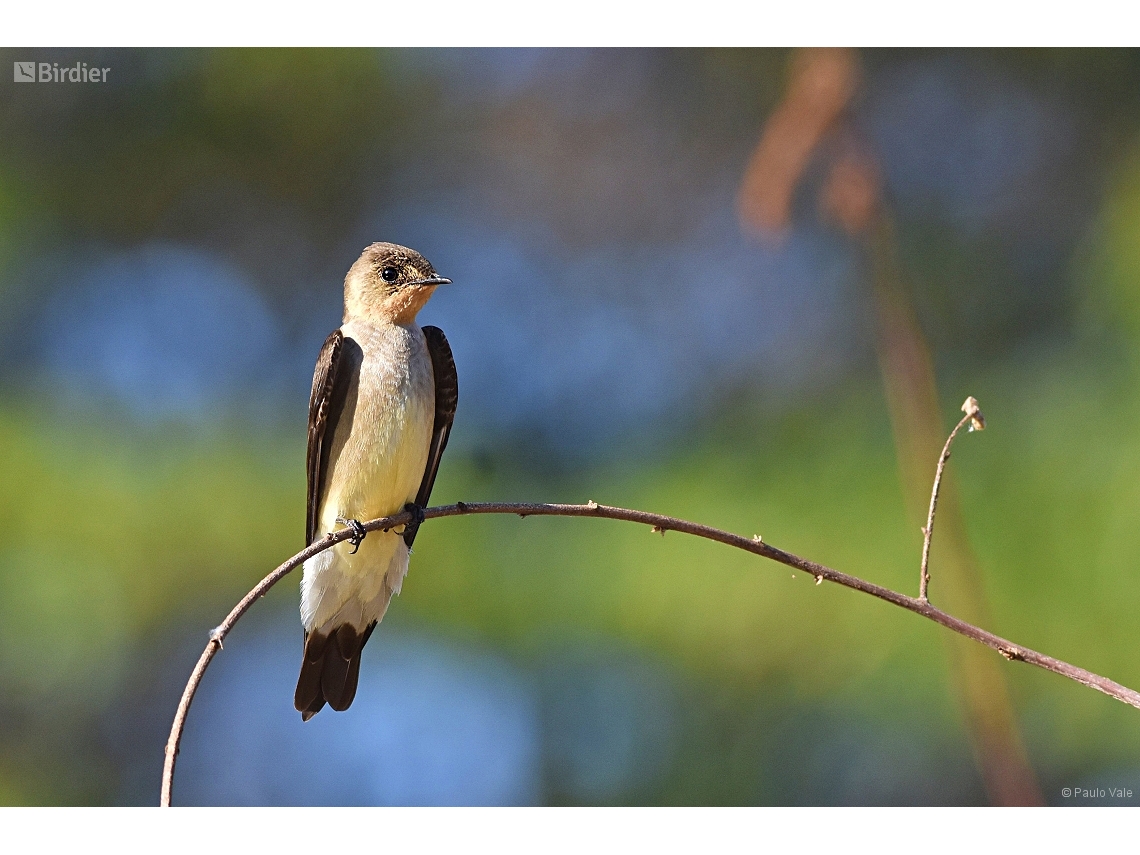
[
  {"x": 446, "y": 399},
  {"x": 320, "y": 434}
]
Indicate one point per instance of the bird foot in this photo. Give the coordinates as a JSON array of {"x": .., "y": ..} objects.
[
  {"x": 358, "y": 533},
  {"x": 417, "y": 513}
]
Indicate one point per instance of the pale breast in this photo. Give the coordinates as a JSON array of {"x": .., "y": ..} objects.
[{"x": 379, "y": 451}]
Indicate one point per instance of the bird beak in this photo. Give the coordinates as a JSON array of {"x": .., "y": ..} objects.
[{"x": 432, "y": 280}]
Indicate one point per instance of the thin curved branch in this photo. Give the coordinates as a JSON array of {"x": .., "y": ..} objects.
[
  {"x": 660, "y": 523},
  {"x": 218, "y": 635},
  {"x": 977, "y": 422}
]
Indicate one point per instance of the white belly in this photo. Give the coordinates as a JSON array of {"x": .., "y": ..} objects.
[
  {"x": 376, "y": 463},
  {"x": 380, "y": 450}
]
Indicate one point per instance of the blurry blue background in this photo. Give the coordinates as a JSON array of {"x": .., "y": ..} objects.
[{"x": 172, "y": 250}]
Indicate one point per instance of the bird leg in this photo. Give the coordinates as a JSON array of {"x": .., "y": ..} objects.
[{"x": 417, "y": 513}]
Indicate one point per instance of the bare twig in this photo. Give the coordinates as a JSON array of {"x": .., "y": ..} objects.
[
  {"x": 977, "y": 422},
  {"x": 660, "y": 523}
]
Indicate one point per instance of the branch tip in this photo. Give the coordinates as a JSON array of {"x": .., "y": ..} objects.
[{"x": 977, "y": 420}]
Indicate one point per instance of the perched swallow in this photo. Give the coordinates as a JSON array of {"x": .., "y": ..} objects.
[{"x": 383, "y": 400}]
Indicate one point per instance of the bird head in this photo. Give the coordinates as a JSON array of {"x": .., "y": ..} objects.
[{"x": 389, "y": 282}]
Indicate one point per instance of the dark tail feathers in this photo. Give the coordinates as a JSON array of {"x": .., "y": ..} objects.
[{"x": 330, "y": 669}]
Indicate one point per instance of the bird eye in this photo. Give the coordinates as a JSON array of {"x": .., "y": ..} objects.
[{"x": 389, "y": 274}]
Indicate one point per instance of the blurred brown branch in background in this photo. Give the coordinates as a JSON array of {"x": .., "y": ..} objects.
[
  {"x": 658, "y": 524},
  {"x": 822, "y": 84}
]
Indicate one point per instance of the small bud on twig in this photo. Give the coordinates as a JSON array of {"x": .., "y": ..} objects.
[{"x": 977, "y": 420}]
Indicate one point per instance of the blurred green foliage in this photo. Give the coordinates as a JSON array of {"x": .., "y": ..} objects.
[
  {"x": 285, "y": 125},
  {"x": 107, "y": 539},
  {"x": 1114, "y": 252},
  {"x": 106, "y": 535}
]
